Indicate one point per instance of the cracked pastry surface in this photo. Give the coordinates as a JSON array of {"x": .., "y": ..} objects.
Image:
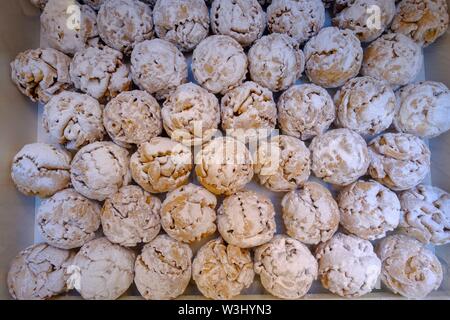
[
  {"x": 426, "y": 214},
  {"x": 100, "y": 169},
  {"x": 191, "y": 114},
  {"x": 38, "y": 272},
  {"x": 189, "y": 213},
  {"x": 348, "y": 266},
  {"x": 132, "y": 118},
  {"x": 182, "y": 22},
  {"x": 394, "y": 58},
  {"x": 365, "y": 105},
  {"x": 161, "y": 165},
  {"x": 275, "y": 61},
  {"x": 221, "y": 271},
  {"x": 248, "y": 111},
  {"x": 94, "y": 4},
  {"x": 368, "y": 209},
  {"x": 163, "y": 269},
  {"x": 68, "y": 220},
  {"x": 357, "y": 15},
  {"x": 64, "y": 34},
  {"x": 158, "y": 67},
  {"x": 422, "y": 20},
  {"x": 73, "y": 119},
  {"x": 333, "y": 57},
  {"x": 408, "y": 268},
  {"x": 310, "y": 213},
  {"x": 305, "y": 111},
  {"x": 400, "y": 161},
  {"x": 41, "y": 169},
  {"x": 243, "y": 20},
  {"x": 219, "y": 64},
  {"x": 286, "y": 267},
  {"x": 339, "y": 156},
  {"x": 41, "y": 73},
  {"x": 131, "y": 216},
  {"x": 299, "y": 19},
  {"x": 423, "y": 109},
  {"x": 246, "y": 219},
  {"x": 124, "y": 23},
  {"x": 283, "y": 163},
  {"x": 224, "y": 166},
  {"x": 101, "y": 270},
  {"x": 100, "y": 72}
]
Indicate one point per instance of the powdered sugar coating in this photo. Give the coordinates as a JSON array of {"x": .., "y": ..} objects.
[
  {"x": 348, "y": 266},
  {"x": 333, "y": 57},
  {"x": 426, "y": 214},
  {"x": 424, "y": 109},
  {"x": 408, "y": 268},
  {"x": 286, "y": 267},
  {"x": 219, "y": 64},
  {"x": 41, "y": 169},
  {"x": 131, "y": 216},
  {"x": 339, "y": 156},
  {"x": 400, "y": 161},
  {"x": 310, "y": 213},
  {"x": 275, "y": 61},
  {"x": 94, "y": 4},
  {"x": 222, "y": 271},
  {"x": 305, "y": 111}
]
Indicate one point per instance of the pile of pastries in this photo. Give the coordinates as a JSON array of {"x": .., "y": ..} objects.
[{"x": 138, "y": 173}]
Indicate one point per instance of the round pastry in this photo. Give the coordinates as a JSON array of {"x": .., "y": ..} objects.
[
  {"x": 365, "y": 105},
  {"x": 248, "y": 111},
  {"x": 305, "y": 111},
  {"x": 286, "y": 267},
  {"x": 38, "y": 272},
  {"x": 163, "y": 269},
  {"x": 423, "y": 21},
  {"x": 283, "y": 163},
  {"x": 189, "y": 213},
  {"x": 158, "y": 67},
  {"x": 339, "y": 156},
  {"x": 246, "y": 219},
  {"x": 132, "y": 117},
  {"x": 348, "y": 266},
  {"x": 358, "y": 16},
  {"x": 100, "y": 169},
  {"x": 408, "y": 268},
  {"x": 333, "y": 57},
  {"x": 222, "y": 271},
  {"x": 219, "y": 64},
  {"x": 68, "y": 26},
  {"x": 131, "y": 216},
  {"x": 275, "y": 62},
  {"x": 224, "y": 166},
  {"x": 400, "y": 161},
  {"x": 73, "y": 119},
  {"x": 191, "y": 114},
  {"x": 124, "y": 23},
  {"x": 68, "y": 220},
  {"x": 394, "y": 58},
  {"x": 161, "y": 165},
  {"x": 310, "y": 213},
  {"x": 100, "y": 72},
  {"x": 101, "y": 270},
  {"x": 243, "y": 20},
  {"x": 41, "y": 169},
  {"x": 368, "y": 209},
  {"x": 41, "y": 73},
  {"x": 426, "y": 214},
  {"x": 299, "y": 19},
  {"x": 182, "y": 22},
  {"x": 39, "y": 3},
  {"x": 423, "y": 109}
]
